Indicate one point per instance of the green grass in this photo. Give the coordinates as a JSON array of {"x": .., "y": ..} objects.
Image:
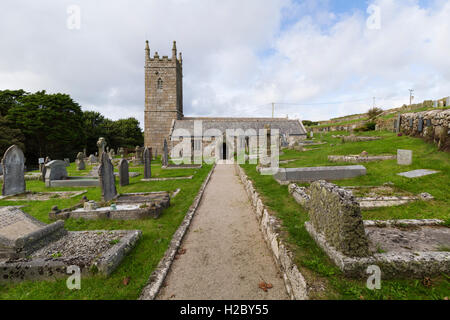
[
  {"x": 311, "y": 260},
  {"x": 139, "y": 263}
]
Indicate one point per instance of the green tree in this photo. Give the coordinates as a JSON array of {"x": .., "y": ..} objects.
[
  {"x": 51, "y": 123},
  {"x": 9, "y": 136},
  {"x": 94, "y": 125},
  {"x": 127, "y": 133},
  {"x": 8, "y": 99}
]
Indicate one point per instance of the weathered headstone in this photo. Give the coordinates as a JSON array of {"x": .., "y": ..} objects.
[
  {"x": 56, "y": 170},
  {"x": 411, "y": 122},
  {"x": 147, "y": 163},
  {"x": 13, "y": 164},
  {"x": 399, "y": 123},
  {"x": 92, "y": 159},
  {"x": 336, "y": 215},
  {"x": 428, "y": 123},
  {"x": 101, "y": 144},
  {"x": 124, "y": 175},
  {"x": 80, "y": 161},
  {"x": 44, "y": 168},
  {"x": 404, "y": 157},
  {"x": 420, "y": 125},
  {"x": 165, "y": 157},
  {"x": 138, "y": 155},
  {"x": 107, "y": 178}
]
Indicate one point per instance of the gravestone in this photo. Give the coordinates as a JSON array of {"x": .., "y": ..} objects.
[
  {"x": 56, "y": 170},
  {"x": 107, "y": 178},
  {"x": 101, "y": 144},
  {"x": 335, "y": 214},
  {"x": 44, "y": 168},
  {"x": 121, "y": 152},
  {"x": 92, "y": 159},
  {"x": 417, "y": 173},
  {"x": 411, "y": 122},
  {"x": 80, "y": 161},
  {"x": 399, "y": 123},
  {"x": 13, "y": 165},
  {"x": 395, "y": 125},
  {"x": 124, "y": 175},
  {"x": 420, "y": 125},
  {"x": 404, "y": 157},
  {"x": 147, "y": 163},
  {"x": 165, "y": 157},
  {"x": 428, "y": 123},
  {"x": 138, "y": 155}
]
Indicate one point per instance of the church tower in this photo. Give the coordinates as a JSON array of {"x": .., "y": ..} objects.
[{"x": 163, "y": 96}]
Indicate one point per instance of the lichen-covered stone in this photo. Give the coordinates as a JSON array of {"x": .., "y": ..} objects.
[{"x": 335, "y": 213}]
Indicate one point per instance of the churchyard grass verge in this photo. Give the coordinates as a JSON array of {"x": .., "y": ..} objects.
[
  {"x": 139, "y": 263},
  {"x": 325, "y": 279}
]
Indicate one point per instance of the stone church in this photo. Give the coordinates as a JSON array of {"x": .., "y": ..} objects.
[{"x": 164, "y": 108}]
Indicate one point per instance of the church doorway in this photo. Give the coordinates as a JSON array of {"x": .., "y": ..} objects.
[{"x": 224, "y": 151}]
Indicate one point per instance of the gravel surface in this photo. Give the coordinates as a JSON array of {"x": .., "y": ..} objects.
[
  {"x": 223, "y": 255},
  {"x": 81, "y": 246}
]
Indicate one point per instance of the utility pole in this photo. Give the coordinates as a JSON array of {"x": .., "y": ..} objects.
[
  {"x": 411, "y": 97},
  {"x": 273, "y": 109}
]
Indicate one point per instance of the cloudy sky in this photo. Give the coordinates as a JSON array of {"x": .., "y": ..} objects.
[{"x": 314, "y": 59}]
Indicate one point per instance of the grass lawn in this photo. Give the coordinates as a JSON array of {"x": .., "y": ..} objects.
[
  {"x": 326, "y": 280},
  {"x": 140, "y": 262}
]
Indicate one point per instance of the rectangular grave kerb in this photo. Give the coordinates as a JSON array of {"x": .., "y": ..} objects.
[{"x": 320, "y": 173}]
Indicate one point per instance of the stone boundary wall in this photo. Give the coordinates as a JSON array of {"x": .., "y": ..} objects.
[
  {"x": 294, "y": 281},
  {"x": 337, "y": 127},
  {"x": 158, "y": 276},
  {"x": 432, "y": 125}
]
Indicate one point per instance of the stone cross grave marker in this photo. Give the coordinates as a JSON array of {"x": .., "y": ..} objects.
[
  {"x": 404, "y": 157},
  {"x": 165, "y": 157},
  {"x": 147, "y": 163},
  {"x": 13, "y": 165},
  {"x": 107, "y": 178},
  {"x": 80, "y": 161},
  {"x": 124, "y": 175},
  {"x": 101, "y": 144}
]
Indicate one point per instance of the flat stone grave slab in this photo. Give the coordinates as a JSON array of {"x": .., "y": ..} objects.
[
  {"x": 360, "y": 158},
  {"x": 401, "y": 248},
  {"x": 319, "y": 173},
  {"x": 73, "y": 182},
  {"x": 182, "y": 166},
  {"x": 129, "y": 206},
  {"x": 417, "y": 173},
  {"x": 21, "y": 234},
  {"x": 94, "y": 252},
  {"x": 384, "y": 196},
  {"x": 43, "y": 196},
  {"x": 168, "y": 179}
]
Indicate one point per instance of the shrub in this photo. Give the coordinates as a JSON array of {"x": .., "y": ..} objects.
[
  {"x": 374, "y": 112},
  {"x": 368, "y": 126}
]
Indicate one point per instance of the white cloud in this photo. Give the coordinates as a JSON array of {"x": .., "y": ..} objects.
[{"x": 236, "y": 55}]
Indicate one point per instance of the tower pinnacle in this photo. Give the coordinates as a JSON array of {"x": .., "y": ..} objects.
[{"x": 174, "y": 50}]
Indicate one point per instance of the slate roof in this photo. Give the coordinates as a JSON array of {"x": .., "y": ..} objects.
[{"x": 286, "y": 126}]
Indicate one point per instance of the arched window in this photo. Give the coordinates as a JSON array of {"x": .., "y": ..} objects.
[{"x": 160, "y": 83}]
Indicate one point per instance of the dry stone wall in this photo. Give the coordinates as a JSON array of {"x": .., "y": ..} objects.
[
  {"x": 270, "y": 226},
  {"x": 434, "y": 126}
]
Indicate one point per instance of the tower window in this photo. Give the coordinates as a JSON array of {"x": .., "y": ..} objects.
[{"x": 160, "y": 83}]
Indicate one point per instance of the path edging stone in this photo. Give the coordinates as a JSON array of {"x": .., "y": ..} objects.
[
  {"x": 158, "y": 276},
  {"x": 270, "y": 226}
]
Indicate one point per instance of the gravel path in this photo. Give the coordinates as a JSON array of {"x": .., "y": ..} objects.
[{"x": 223, "y": 254}]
